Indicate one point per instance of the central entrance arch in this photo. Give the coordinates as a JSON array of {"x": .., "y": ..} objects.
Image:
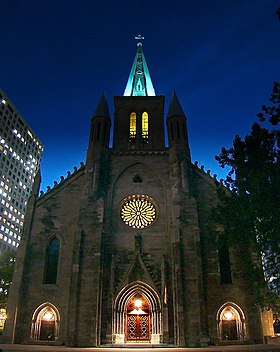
[
  {"x": 137, "y": 315},
  {"x": 138, "y": 319}
]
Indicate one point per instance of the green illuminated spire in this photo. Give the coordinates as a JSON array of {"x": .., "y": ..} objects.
[{"x": 139, "y": 81}]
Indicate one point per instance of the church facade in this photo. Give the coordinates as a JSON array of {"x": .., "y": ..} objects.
[{"x": 117, "y": 253}]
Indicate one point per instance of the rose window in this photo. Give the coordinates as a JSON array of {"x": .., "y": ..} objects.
[{"x": 138, "y": 211}]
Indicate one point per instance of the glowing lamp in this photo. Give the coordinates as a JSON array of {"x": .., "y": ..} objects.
[
  {"x": 48, "y": 316},
  {"x": 138, "y": 303},
  {"x": 228, "y": 315}
]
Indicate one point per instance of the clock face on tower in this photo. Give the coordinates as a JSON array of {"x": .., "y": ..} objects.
[{"x": 138, "y": 211}]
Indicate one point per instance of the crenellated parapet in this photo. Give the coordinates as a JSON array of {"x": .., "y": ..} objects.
[
  {"x": 207, "y": 174},
  {"x": 63, "y": 180}
]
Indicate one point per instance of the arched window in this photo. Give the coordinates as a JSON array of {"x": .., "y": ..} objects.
[
  {"x": 145, "y": 126},
  {"x": 224, "y": 263},
  {"x": 45, "y": 323},
  {"x": 231, "y": 322},
  {"x": 51, "y": 266},
  {"x": 132, "y": 127}
]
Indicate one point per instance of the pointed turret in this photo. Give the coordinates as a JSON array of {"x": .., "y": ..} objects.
[
  {"x": 101, "y": 123},
  {"x": 177, "y": 125},
  {"x": 100, "y": 129},
  {"x": 139, "y": 81},
  {"x": 102, "y": 109},
  {"x": 175, "y": 108}
]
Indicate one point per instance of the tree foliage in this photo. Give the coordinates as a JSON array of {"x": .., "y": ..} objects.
[
  {"x": 250, "y": 215},
  {"x": 272, "y": 113},
  {"x": 7, "y": 263}
]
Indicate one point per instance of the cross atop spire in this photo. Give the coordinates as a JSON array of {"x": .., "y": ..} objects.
[
  {"x": 139, "y": 37},
  {"x": 139, "y": 81}
]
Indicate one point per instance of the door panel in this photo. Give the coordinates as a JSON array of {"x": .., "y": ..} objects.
[
  {"x": 47, "y": 330},
  {"x": 229, "y": 331},
  {"x": 138, "y": 327}
]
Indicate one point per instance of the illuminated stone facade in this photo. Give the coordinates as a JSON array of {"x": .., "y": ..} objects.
[
  {"x": 89, "y": 275},
  {"x": 20, "y": 156}
]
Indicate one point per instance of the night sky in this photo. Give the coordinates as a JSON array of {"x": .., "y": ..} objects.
[{"x": 57, "y": 58}]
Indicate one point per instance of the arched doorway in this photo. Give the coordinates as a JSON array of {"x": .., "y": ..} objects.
[
  {"x": 138, "y": 319},
  {"x": 137, "y": 315},
  {"x": 231, "y": 322},
  {"x": 45, "y": 323}
]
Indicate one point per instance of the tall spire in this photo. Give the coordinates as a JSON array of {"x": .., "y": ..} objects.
[{"x": 139, "y": 81}]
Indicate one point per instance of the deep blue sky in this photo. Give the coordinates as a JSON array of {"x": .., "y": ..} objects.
[{"x": 57, "y": 57}]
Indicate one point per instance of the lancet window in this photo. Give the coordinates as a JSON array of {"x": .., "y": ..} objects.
[
  {"x": 132, "y": 127},
  {"x": 224, "y": 263},
  {"x": 145, "y": 126},
  {"x": 51, "y": 266}
]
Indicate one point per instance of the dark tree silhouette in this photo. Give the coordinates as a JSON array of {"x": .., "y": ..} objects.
[
  {"x": 272, "y": 113},
  {"x": 250, "y": 212}
]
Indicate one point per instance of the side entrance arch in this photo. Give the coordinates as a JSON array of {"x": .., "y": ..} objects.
[
  {"x": 137, "y": 315},
  {"x": 45, "y": 323},
  {"x": 231, "y": 322}
]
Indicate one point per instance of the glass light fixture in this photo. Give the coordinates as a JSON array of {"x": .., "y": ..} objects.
[
  {"x": 48, "y": 315},
  {"x": 138, "y": 303},
  {"x": 228, "y": 315}
]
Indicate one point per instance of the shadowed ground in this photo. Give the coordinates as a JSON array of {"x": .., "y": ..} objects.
[{"x": 36, "y": 348}]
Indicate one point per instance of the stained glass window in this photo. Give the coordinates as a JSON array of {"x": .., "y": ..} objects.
[
  {"x": 138, "y": 211},
  {"x": 132, "y": 127},
  {"x": 52, "y": 256},
  {"x": 145, "y": 126}
]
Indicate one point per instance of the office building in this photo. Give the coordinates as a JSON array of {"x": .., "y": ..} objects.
[{"x": 20, "y": 155}]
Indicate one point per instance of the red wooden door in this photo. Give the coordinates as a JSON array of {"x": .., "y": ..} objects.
[{"x": 138, "y": 327}]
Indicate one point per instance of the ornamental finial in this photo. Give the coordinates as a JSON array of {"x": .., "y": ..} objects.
[{"x": 139, "y": 37}]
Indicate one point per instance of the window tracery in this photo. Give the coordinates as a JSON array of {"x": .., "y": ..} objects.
[
  {"x": 145, "y": 126},
  {"x": 138, "y": 211},
  {"x": 132, "y": 127}
]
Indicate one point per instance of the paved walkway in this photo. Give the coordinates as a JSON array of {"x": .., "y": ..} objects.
[{"x": 37, "y": 348}]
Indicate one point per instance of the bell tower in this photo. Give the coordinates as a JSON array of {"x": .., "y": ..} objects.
[{"x": 139, "y": 121}]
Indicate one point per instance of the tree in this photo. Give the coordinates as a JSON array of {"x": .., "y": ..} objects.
[
  {"x": 272, "y": 113},
  {"x": 250, "y": 212},
  {"x": 7, "y": 264}
]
